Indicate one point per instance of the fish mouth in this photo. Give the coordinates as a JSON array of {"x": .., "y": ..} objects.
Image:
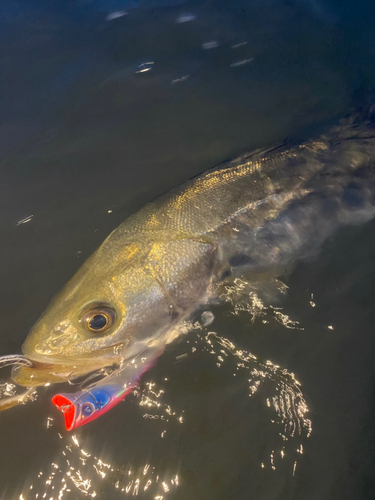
[{"x": 52, "y": 370}]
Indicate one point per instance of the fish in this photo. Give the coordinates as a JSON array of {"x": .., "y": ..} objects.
[{"x": 251, "y": 216}]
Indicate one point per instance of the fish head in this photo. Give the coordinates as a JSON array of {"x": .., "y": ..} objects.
[{"x": 112, "y": 304}]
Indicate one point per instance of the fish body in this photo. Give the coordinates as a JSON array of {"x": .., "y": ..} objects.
[{"x": 250, "y": 216}]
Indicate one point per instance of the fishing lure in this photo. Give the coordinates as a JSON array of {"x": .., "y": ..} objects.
[
  {"x": 89, "y": 403},
  {"x": 81, "y": 407}
]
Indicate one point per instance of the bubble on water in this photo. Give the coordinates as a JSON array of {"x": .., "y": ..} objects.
[
  {"x": 116, "y": 15},
  {"x": 185, "y": 17},
  {"x": 238, "y": 45},
  {"x": 145, "y": 67},
  {"x": 213, "y": 44},
  {"x": 241, "y": 62},
  {"x": 25, "y": 220},
  {"x": 181, "y": 79},
  {"x": 207, "y": 318}
]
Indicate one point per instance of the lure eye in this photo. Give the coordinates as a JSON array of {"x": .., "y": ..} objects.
[{"x": 98, "y": 320}]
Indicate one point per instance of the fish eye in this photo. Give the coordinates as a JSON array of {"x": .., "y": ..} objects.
[{"x": 98, "y": 319}]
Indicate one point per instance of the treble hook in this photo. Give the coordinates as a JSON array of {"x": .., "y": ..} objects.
[{"x": 9, "y": 360}]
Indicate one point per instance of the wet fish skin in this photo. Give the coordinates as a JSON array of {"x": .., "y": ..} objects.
[{"x": 163, "y": 262}]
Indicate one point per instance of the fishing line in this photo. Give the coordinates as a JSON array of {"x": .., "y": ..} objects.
[
  {"x": 14, "y": 359},
  {"x": 95, "y": 376}
]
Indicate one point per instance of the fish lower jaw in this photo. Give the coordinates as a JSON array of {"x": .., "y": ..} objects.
[
  {"x": 102, "y": 357},
  {"x": 58, "y": 370}
]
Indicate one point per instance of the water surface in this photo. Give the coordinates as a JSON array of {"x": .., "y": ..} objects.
[{"x": 99, "y": 117}]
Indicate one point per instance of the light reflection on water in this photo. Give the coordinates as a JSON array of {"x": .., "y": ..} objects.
[
  {"x": 281, "y": 392},
  {"x": 76, "y": 469}
]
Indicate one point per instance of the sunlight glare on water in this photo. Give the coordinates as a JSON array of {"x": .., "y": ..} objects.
[{"x": 78, "y": 468}]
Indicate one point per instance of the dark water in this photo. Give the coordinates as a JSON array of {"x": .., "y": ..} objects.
[{"x": 87, "y": 138}]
